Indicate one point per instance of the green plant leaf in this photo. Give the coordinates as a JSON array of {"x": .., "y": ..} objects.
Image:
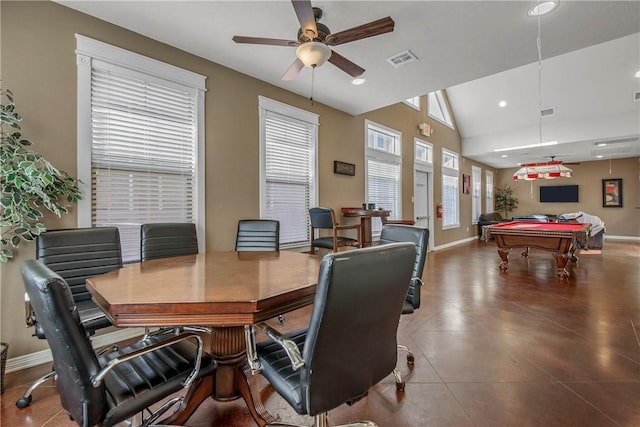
[{"x": 15, "y": 241}]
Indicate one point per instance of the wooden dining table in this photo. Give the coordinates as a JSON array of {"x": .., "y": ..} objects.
[
  {"x": 365, "y": 216},
  {"x": 224, "y": 291}
]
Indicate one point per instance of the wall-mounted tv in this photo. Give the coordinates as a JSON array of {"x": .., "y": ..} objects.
[{"x": 559, "y": 194}]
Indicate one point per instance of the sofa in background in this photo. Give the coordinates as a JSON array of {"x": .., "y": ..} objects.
[
  {"x": 489, "y": 219},
  {"x": 596, "y": 236}
]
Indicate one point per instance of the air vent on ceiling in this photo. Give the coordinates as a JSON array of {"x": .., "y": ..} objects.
[
  {"x": 636, "y": 96},
  {"x": 402, "y": 58},
  {"x": 547, "y": 112}
]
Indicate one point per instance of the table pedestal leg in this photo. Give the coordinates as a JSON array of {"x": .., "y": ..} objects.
[
  {"x": 504, "y": 255},
  {"x": 365, "y": 222},
  {"x": 232, "y": 377},
  {"x": 561, "y": 262}
]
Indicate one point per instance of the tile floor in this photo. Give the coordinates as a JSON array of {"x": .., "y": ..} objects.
[{"x": 520, "y": 348}]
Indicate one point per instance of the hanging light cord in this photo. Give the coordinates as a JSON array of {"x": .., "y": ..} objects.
[
  {"x": 539, "y": 44},
  {"x": 313, "y": 73}
]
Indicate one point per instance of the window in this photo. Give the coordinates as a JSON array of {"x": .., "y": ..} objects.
[
  {"x": 413, "y": 102},
  {"x": 437, "y": 108},
  {"x": 383, "y": 163},
  {"x": 423, "y": 152},
  {"x": 140, "y": 142},
  {"x": 488, "y": 177},
  {"x": 450, "y": 188},
  {"x": 476, "y": 196},
  {"x": 288, "y": 169}
]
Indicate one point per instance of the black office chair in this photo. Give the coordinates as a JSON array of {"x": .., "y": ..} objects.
[
  {"x": 114, "y": 387},
  {"x": 258, "y": 235},
  {"x": 75, "y": 254},
  {"x": 393, "y": 233},
  {"x": 325, "y": 218},
  {"x": 162, "y": 240},
  {"x": 350, "y": 343}
]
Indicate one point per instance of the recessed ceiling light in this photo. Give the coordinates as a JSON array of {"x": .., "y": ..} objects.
[
  {"x": 505, "y": 155},
  {"x": 502, "y": 104},
  {"x": 599, "y": 156},
  {"x": 601, "y": 144},
  {"x": 542, "y": 8},
  {"x": 637, "y": 74},
  {"x": 358, "y": 82}
]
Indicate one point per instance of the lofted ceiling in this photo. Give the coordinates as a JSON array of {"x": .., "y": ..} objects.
[{"x": 480, "y": 51}]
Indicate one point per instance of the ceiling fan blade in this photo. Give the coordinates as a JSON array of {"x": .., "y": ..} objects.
[
  {"x": 304, "y": 11},
  {"x": 345, "y": 65},
  {"x": 261, "y": 40},
  {"x": 293, "y": 70},
  {"x": 381, "y": 26}
]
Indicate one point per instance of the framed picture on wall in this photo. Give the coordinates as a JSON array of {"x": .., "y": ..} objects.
[
  {"x": 612, "y": 193},
  {"x": 466, "y": 183}
]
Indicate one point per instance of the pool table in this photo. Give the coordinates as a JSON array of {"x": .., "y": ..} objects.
[{"x": 562, "y": 239}]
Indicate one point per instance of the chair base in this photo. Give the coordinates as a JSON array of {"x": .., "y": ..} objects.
[
  {"x": 410, "y": 357},
  {"x": 322, "y": 420},
  {"x": 26, "y": 398}
]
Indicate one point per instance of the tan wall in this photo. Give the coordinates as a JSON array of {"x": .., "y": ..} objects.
[
  {"x": 39, "y": 66},
  {"x": 623, "y": 221}
]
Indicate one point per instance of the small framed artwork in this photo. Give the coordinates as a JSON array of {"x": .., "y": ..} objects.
[
  {"x": 612, "y": 193},
  {"x": 343, "y": 168},
  {"x": 466, "y": 183}
]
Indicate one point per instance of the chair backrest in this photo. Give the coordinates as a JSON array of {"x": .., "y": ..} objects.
[
  {"x": 162, "y": 240},
  {"x": 322, "y": 218},
  {"x": 351, "y": 340},
  {"x": 258, "y": 235},
  {"x": 79, "y": 253},
  {"x": 74, "y": 360},
  {"x": 419, "y": 236}
]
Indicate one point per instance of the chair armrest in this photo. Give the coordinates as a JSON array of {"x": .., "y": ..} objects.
[
  {"x": 97, "y": 379},
  {"x": 289, "y": 346}
]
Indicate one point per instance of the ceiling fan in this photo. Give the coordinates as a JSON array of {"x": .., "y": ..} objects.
[{"x": 315, "y": 40}]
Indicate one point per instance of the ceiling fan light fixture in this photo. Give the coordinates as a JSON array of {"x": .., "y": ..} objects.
[
  {"x": 313, "y": 54},
  {"x": 542, "y": 8}
]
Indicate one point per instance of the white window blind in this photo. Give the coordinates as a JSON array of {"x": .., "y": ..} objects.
[
  {"x": 289, "y": 160},
  {"x": 450, "y": 188},
  {"x": 288, "y": 169},
  {"x": 383, "y": 171},
  {"x": 476, "y": 199},
  {"x": 489, "y": 190},
  {"x": 143, "y": 137}
]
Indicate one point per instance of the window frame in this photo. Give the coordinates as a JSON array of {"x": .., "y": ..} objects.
[
  {"x": 89, "y": 50},
  {"x": 382, "y": 156},
  {"x": 476, "y": 194},
  {"x": 452, "y": 172},
  {"x": 413, "y": 102},
  {"x": 443, "y": 108},
  {"x": 264, "y": 105},
  {"x": 489, "y": 201}
]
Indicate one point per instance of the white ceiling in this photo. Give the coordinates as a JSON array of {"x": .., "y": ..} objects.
[{"x": 482, "y": 51}]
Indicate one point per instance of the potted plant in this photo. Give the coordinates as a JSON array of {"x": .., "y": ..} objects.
[
  {"x": 30, "y": 184},
  {"x": 505, "y": 201}
]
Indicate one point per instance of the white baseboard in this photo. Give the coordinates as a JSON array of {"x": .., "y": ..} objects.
[
  {"x": 456, "y": 243},
  {"x": 44, "y": 356},
  {"x": 625, "y": 238}
]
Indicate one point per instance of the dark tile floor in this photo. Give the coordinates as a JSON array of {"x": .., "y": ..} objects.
[{"x": 520, "y": 348}]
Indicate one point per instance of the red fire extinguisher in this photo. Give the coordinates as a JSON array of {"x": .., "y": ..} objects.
[{"x": 439, "y": 210}]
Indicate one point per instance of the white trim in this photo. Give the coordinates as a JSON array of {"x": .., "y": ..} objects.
[
  {"x": 411, "y": 104},
  {"x": 44, "y": 356},
  {"x": 133, "y": 61},
  {"x": 455, "y": 243},
  {"x": 288, "y": 110}
]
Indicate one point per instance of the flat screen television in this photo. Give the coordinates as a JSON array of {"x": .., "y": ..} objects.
[{"x": 559, "y": 194}]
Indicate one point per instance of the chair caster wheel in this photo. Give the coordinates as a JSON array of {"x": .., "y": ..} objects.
[
  {"x": 400, "y": 386},
  {"x": 24, "y": 401},
  {"x": 410, "y": 359}
]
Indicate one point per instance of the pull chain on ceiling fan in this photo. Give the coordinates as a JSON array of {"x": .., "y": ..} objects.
[{"x": 315, "y": 41}]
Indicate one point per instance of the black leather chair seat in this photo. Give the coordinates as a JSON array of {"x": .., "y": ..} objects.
[
  {"x": 274, "y": 359},
  {"x": 408, "y": 308},
  {"x": 327, "y": 242},
  {"x": 149, "y": 378}
]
